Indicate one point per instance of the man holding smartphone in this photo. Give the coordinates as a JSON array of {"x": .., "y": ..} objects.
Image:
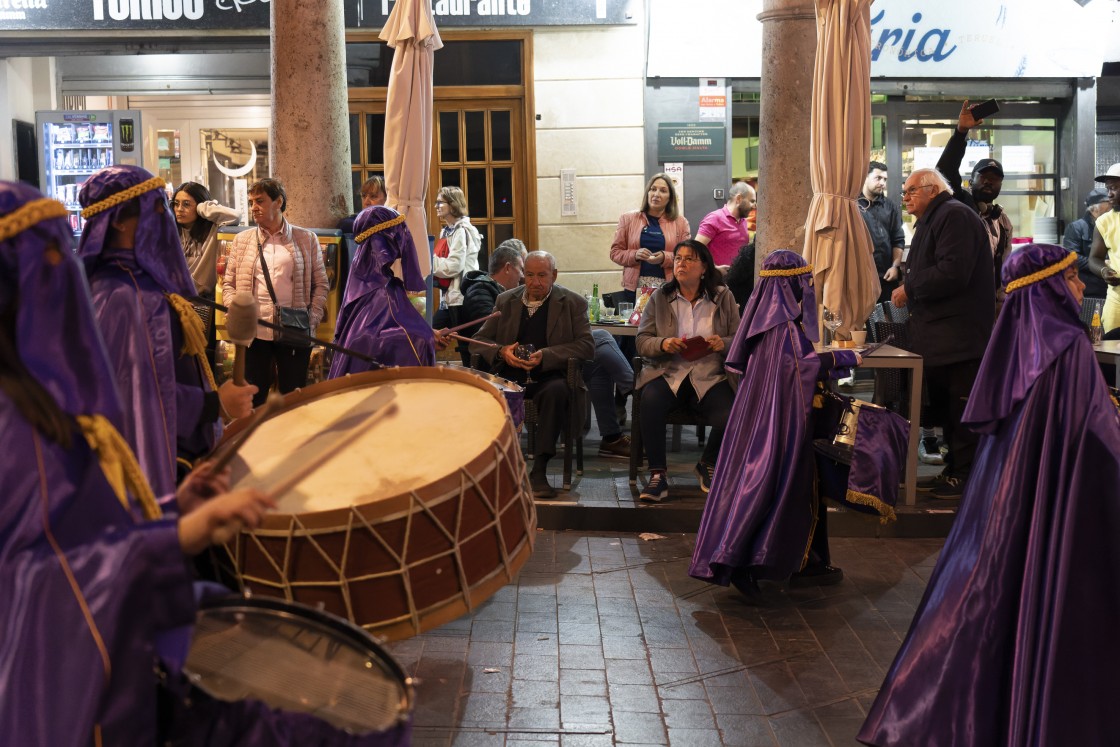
[{"x": 984, "y": 187}]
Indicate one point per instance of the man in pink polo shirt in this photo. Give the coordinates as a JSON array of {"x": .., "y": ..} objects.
[{"x": 725, "y": 230}]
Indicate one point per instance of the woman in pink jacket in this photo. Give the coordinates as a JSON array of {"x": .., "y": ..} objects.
[{"x": 644, "y": 238}]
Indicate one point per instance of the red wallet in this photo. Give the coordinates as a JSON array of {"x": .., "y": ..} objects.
[{"x": 695, "y": 348}]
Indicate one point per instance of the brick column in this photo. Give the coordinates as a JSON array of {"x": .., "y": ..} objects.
[
  {"x": 310, "y": 149},
  {"x": 789, "y": 43}
]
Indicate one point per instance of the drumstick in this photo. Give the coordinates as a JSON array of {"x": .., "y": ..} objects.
[
  {"x": 224, "y": 453},
  {"x": 476, "y": 321},
  {"x": 472, "y": 340},
  {"x": 382, "y": 409}
]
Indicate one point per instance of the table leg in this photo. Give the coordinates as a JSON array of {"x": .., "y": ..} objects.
[{"x": 915, "y": 435}]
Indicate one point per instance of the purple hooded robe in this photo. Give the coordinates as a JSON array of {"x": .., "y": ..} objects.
[
  {"x": 1014, "y": 642},
  {"x": 761, "y": 511},
  {"x": 163, "y": 391},
  {"x": 376, "y": 317}
]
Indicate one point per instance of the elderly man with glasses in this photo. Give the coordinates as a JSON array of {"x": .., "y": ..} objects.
[{"x": 948, "y": 287}]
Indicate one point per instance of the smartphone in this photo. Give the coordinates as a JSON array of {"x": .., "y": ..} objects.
[{"x": 984, "y": 109}]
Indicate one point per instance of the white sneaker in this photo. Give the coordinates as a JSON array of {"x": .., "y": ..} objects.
[{"x": 928, "y": 458}]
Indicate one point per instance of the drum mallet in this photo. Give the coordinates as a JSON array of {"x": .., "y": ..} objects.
[{"x": 241, "y": 328}]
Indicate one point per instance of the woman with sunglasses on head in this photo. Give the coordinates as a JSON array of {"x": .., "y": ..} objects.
[{"x": 199, "y": 217}]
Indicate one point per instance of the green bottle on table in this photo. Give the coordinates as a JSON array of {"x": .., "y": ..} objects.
[{"x": 593, "y": 305}]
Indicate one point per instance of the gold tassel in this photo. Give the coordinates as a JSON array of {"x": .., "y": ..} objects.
[
  {"x": 194, "y": 335},
  {"x": 886, "y": 513},
  {"x": 119, "y": 464}
]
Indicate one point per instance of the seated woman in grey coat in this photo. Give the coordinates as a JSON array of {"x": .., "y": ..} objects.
[{"x": 683, "y": 337}]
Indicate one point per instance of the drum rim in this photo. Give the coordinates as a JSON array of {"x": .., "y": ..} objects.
[
  {"x": 513, "y": 386},
  {"x": 298, "y": 611}
]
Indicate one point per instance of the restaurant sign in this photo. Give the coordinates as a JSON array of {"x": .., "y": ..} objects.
[
  {"x": 249, "y": 15},
  {"x": 682, "y": 141}
]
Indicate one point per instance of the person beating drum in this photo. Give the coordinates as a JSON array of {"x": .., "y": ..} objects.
[{"x": 76, "y": 511}]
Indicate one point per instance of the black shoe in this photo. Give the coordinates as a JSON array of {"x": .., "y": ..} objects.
[
  {"x": 816, "y": 575},
  {"x": 926, "y": 484},
  {"x": 541, "y": 489},
  {"x": 704, "y": 472},
  {"x": 657, "y": 489},
  {"x": 819, "y": 575},
  {"x": 746, "y": 584},
  {"x": 950, "y": 489}
]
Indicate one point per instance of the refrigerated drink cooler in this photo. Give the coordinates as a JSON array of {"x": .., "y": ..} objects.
[{"x": 75, "y": 144}]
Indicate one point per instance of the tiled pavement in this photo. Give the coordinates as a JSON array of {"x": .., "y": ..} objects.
[{"x": 604, "y": 639}]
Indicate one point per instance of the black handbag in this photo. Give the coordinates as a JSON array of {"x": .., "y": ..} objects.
[{"x": 297, "y": 320}]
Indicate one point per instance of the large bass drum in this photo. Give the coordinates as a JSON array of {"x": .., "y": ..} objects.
[{"x": 423, "y": 516}]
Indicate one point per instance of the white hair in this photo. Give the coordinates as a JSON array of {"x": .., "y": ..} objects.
[
  {"x": 541, "y": 254},
  {"x": 932, "y": 178}
]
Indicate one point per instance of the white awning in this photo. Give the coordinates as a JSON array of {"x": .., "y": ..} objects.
[{"x": 910, "y": 39}]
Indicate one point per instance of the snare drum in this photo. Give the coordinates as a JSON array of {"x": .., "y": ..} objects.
[
  {"x": 426, "y": 514},
  {"x": 513, "y": 392},
  {"x": 262, "y": 671}
]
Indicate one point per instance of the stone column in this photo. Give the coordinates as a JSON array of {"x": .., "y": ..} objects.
[
  {"x": 789, "y": 44},
  {"x": 310, "y": 149}
]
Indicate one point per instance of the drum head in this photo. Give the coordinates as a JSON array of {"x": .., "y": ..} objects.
[{"x": 296, "y": 659}]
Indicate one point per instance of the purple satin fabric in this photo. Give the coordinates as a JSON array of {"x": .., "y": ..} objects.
[
  {"x": 134, "y": 579},
  {"x": 56, "y": 338},
  {"x": 158, "y": 248},
  {"x": 774, "y": 302},
  {"x": 377, "y": 317},
  {"x": 1014, "y": 642},
  {"x": 137, "y": 329},
  {"x": 877, "y": 466},
  {"x": 761, "y": 509}
]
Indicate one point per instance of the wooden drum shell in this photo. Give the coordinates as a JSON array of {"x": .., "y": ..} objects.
[{"x": 400, "y": 565}]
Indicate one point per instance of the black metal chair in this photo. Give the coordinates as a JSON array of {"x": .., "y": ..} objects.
[
  {"x": 1088, "y": 306},
  {"x": 572, "y": 432}
]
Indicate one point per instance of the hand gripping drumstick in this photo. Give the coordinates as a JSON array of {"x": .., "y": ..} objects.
[
  {"x": 383, "y": 406},
  {"x": 223, "y": 454},
  {"x": 241, "y": 328}
]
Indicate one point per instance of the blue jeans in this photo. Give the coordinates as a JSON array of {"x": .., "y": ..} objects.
[{"x": 609, "y": 370}]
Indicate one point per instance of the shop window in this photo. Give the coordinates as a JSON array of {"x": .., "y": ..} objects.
[{"x": 1027, "y": 148}]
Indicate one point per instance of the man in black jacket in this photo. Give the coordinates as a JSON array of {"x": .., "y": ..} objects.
[
  {"x": 948, "y": 287},
  {"x": 884, "y": 223},
  {"x": 984, "y": 187}
]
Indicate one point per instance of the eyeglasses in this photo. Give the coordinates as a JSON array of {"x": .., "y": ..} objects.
[
  {"x": 685, "y": 259},
  {"x": 182, "y": 203},
  {"x": 914, "y": 190},
  {"x": 440, "y": 202}
]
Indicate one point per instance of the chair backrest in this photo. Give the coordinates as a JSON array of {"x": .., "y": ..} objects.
[
  {"x": 899, "y": 330},
  {"x": 877, "y": 315},
  {"x": 895, "y": 314},
  {"x": 1088, "y": 305}
]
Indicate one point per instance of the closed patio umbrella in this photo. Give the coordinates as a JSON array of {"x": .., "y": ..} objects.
[
  {"x": 411, "y": 32},
  {"x": 836, "y": 239}
]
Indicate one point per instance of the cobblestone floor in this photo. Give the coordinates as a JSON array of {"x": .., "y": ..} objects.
[{"x": 604, "y": 639}]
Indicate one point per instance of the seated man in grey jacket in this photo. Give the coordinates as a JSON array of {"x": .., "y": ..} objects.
[{"x": 542, "y": 325}]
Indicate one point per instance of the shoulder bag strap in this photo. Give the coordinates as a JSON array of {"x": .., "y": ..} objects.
[{"x": 264, "y": 268}]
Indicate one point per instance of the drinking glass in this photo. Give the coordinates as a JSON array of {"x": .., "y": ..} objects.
[
  {"x": 832, "y": 321},
  {"x": 524, "y": 351}
]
